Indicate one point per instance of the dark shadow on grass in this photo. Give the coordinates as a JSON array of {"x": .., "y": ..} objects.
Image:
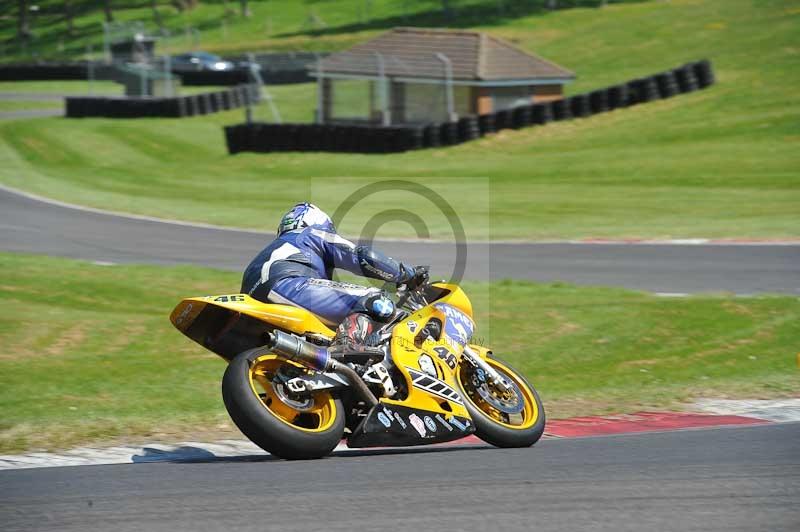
[{"x": 485, "y": 13}]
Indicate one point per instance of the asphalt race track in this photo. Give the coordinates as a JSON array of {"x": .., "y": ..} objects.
[
  {"x": 725, "y": 479},
  {"x": 31, "y": 226}
]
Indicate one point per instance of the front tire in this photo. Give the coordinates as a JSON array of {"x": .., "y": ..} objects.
[
  {"x": 495, "y": 416},
  {"x": 270, "y": 418}
]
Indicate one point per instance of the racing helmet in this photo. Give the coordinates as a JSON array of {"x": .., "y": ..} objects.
[{"x": 305, "y": 215}]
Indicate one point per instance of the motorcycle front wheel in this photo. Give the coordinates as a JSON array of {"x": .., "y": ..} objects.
[
  {"x": 513, "y": 418},
  {"x": 287, "y": 426}
]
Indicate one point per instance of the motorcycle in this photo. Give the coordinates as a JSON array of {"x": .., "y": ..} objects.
[{"x": 423, "y": 383}]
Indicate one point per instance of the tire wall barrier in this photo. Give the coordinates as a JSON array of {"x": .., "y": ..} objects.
[
  {"x": 176, "y": 107},
  {"x": 260, "y": 137}
]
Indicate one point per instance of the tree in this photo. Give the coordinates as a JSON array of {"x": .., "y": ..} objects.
[
  {"x": 23, "y": 22},
  {"x": 107, "y": 11},
  {"x": 245, "y": 8}
]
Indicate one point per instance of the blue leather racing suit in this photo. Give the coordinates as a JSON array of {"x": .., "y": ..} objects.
[{"x": 297, "y": 267}]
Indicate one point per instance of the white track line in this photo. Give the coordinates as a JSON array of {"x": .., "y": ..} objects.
[
  {"x": 160, "y": 452},
  {"x": 587, "y": 242}
]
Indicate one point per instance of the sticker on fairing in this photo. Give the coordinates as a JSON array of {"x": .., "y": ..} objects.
[
  {"x": 430, "y": 424},
  {"x": 458, "y": 327},
  {"x": 418, "y": 424},
  {"x": 384, "y": 419}
]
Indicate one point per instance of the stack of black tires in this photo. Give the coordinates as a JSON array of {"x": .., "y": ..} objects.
[
  {"x": 176, "y": 107},
  {"x": 261, "y": 137},
  {"x": 376, "y": 139}
]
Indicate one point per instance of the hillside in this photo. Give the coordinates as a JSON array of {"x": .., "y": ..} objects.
[
  {"x": 718, "y": 163},
  {"x": 219, "y": 26}
]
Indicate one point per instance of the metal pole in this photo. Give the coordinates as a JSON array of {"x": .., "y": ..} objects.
[
  {"x": 256, "y": 75},
  {"x": 143, "y": 89},
  {"x": 168, "y": 75},
  {"x": 320, "y": 91},
  {"x": 90, "y": 68},
  {"x": 385, "y": 118},
  {"x": 448, "y": 79}
]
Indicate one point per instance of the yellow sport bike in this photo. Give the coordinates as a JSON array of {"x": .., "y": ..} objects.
[{"x": 424, "y": 383}]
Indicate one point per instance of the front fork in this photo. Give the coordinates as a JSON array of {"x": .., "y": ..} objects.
[{"x": 493, "y": 376}]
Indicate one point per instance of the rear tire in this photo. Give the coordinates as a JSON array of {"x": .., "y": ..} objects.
[
  {"x": 282, "y": 437},
  {"x": 494, "y": 431}
]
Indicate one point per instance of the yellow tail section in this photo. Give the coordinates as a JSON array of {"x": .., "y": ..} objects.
[{"x": 232, "y": 323}]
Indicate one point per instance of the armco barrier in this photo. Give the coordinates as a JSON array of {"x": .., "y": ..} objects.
[
  {"x": 54, "y": 71},
  {"x": 276, "y": 68},
  {"x": 175, "y": 107},
  {"x": 377, "y": 139}
]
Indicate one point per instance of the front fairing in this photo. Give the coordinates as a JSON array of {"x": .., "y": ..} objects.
[{"x": 413, "y": 355}]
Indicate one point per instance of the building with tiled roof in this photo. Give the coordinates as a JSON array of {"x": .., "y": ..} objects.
[{"x": 416, "y": 75}]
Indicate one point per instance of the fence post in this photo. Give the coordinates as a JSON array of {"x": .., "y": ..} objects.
[
  {"x": 256, "y": 75},
  {"x": 386, "y": 119},
  {"x": 448, "y": 79},
  {"x": 168, "y": 75},
  {"x": 320, "y": 91},
  {"x": 90, "y": 68}
]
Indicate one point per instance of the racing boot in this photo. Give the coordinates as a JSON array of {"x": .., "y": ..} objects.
[
  {"x": 357, "y": 334},
  {"x": 354, "y": 336}
]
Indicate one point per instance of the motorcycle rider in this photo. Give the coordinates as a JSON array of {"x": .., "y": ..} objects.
[{"x": 296, "y": 269}]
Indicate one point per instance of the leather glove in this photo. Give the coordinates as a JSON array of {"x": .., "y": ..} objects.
[{"x": 421, "y": 276}]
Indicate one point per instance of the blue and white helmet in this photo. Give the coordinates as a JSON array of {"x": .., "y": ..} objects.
[{"x": 305, "y": 215}]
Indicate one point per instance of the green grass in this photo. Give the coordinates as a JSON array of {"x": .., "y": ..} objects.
[
  {"x": 717, "y": 163},
  {"x": 273, "y": 25},
  {"x": 76, "y": 87},
  {"x": 24, "y": 105},
  {"x": 88, "y": 353}
]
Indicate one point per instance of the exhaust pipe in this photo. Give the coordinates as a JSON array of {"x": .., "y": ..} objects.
[{"x": 317, "y": 358}]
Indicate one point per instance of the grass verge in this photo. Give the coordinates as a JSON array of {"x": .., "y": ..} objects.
[
  {"x": 26, "y": 105},
  {"x": 88, "y": 353}
]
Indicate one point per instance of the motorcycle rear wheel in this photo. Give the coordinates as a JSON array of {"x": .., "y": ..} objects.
[
  {"x": 265, "y": 413},
  {"x": 490, "y": 409}
]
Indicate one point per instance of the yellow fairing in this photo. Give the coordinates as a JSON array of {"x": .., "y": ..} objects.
[
  {"x": 456, "y": 297},
  {"x": 231, "y": 323},
  {"x": 445, "y": 356}
]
